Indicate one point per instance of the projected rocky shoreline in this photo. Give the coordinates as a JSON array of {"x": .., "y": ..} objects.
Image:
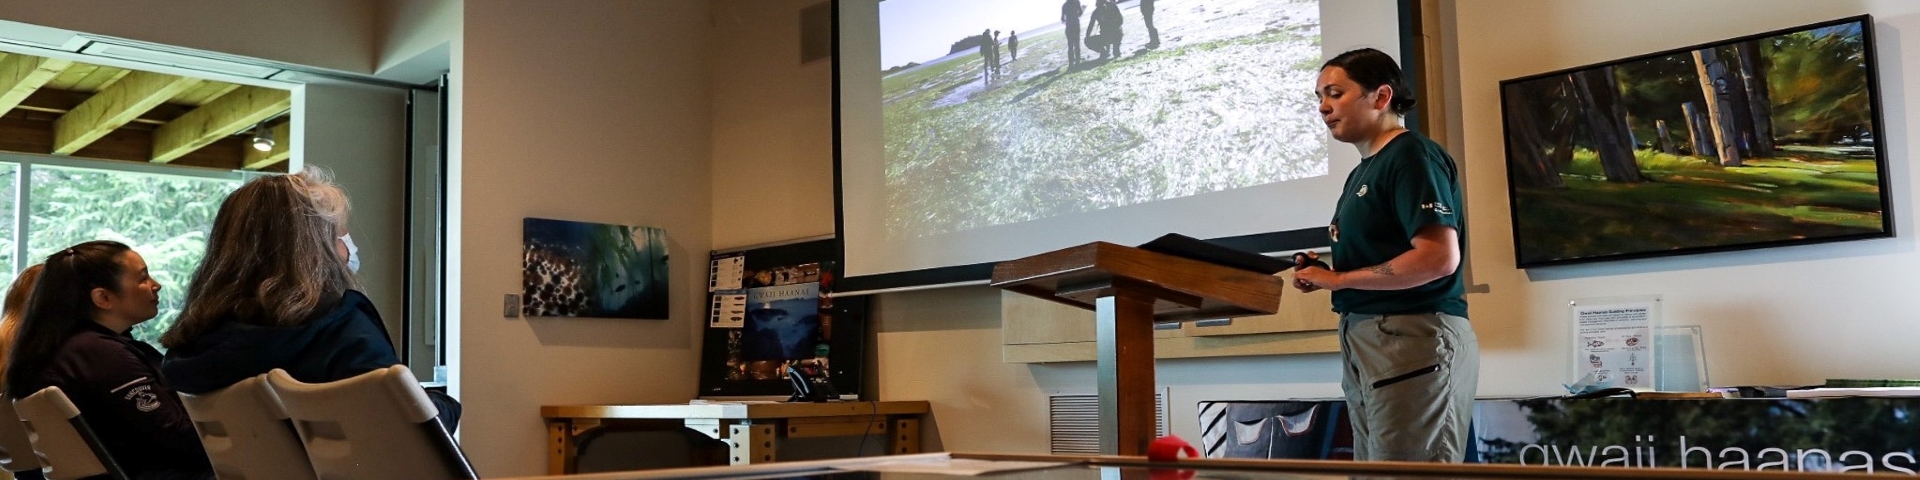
[{"x": 1223, "y": 101}]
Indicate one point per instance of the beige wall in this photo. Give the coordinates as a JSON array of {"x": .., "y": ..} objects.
[
  {"x": 358, "y": 133},
  {"x": 588, "y": 110},
  {"x": 331, "y": 34},
  {"x": 407, "y": 29},
  {"x": 772, "y": 128}
]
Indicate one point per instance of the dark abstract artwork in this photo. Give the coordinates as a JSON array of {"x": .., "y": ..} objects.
[{"x": 578, "y": 269}]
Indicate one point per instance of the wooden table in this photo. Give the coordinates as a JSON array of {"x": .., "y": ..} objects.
[{"x": 753, "y": 431}]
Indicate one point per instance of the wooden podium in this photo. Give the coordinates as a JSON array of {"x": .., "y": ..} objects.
[{"x": 1131, "y": 289}]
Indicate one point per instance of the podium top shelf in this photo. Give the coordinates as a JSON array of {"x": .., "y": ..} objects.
[{"x": 1183, "y": 289}]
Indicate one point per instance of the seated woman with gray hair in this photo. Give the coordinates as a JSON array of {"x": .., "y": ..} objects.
[{"x": 276, "y": 290}]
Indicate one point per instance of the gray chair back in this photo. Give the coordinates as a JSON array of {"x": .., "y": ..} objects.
[
  {"x": 61, "y": 438},
  {"x": 247, "y": 433},
  {"x": 373, "y": 426}
]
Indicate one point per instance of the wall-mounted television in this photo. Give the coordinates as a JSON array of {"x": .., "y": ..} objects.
[{"x": 1758, "y": 141}]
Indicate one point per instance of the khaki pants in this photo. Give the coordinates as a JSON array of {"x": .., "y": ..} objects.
[{"x": 1409, "y": 381}]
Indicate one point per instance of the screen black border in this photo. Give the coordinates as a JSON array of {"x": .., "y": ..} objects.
[{"x": 1279, "y": 241}]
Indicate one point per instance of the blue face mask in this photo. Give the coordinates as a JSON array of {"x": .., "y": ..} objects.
[{"x": 353, "y": 253}]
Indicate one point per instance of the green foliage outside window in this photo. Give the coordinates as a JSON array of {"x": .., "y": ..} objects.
[
  {"x": 164, "y": 218},
  {"x": 9, "y": 187}
]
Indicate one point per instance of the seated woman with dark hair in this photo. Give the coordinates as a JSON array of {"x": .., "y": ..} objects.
[
  {"x": 276, "y": 290},
  {"x": 74, "y": 336}
]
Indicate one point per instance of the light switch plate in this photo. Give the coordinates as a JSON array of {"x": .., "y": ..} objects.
[{"x": 512, "y": 306}]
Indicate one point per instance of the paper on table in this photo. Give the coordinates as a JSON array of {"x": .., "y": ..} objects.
[
  {"x": 1855, "y": 392},
  {"x": 951, "y": 466}
]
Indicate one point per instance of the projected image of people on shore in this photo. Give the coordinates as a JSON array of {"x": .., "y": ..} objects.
[{"x": 1005, "y": 111}]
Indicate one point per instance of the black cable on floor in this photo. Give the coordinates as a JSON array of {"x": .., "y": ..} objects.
[{"x": 859, "y": 452}]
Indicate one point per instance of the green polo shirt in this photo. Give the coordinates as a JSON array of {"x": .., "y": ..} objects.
[{"x": 1410, "y": 183}]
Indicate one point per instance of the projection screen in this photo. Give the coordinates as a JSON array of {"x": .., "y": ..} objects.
[{"x": 969, "y": 132}]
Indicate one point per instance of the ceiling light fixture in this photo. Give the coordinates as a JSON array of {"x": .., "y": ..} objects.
[{"x": 262, "y": 138}]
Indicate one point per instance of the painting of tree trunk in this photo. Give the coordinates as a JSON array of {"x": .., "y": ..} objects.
[
  {"x": 1753, "y": 74},
  {"x": 1721, "y": 114},
  {"x": 1699, "y": 130},
  {"x": 1666, "y": 138},
  {"x": 1606, "y": 120},
  {"x": 1529, "y": 148},
  {"x": 1562, "y": 156},
  {"x": 1742, "y": 112}
]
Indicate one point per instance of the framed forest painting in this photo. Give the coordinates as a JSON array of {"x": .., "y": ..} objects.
[{"x": 1764, "y": 140}]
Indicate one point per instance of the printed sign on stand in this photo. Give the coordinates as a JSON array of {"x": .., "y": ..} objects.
[{"x": 1613, "y": 342}]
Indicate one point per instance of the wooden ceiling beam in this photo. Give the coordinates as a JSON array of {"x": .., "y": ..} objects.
[
  {"x": 118, "y": 104},
  {"x": 21, "y": 133},
  {"x": 223, "y": 117},
  {"x": 21, "y": 75},
  {"x": 59, "y": 102},
  {"x": 257, "y": 160}
]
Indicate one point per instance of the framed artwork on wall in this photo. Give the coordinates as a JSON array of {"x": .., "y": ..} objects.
[
  {"x": 1759, "y": 141},
  {"x": 580, "y": 269}
]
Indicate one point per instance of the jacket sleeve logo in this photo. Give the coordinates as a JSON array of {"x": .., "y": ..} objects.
[{"x": 143, "y": 398}]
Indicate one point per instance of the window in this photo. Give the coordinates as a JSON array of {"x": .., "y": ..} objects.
[
  {"x": 9, "y": 193},
  {"x": 164, "y": 213}
]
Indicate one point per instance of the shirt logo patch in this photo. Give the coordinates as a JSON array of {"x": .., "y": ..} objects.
[
  {"x": 1333, "y": 231},
  {"x": 1362, "y": 192},
  {"x": 1437, "y": 207},
  {"x": 143, "y": 398}
]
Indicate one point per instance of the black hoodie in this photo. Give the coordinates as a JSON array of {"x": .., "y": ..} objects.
[
  {"x": 346, "y": 340},
  {"x": 114, "y": 380}
]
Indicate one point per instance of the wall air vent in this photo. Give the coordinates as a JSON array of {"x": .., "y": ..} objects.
[
  {"x": 1074, "y": 422},
  {"x": 168, "y": 57}
]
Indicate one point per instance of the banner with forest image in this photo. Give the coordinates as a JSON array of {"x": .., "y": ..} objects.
[
  {"x": 1861, "y": 435},
  {"x": 1855, "y": 434},
  {"x": 1757, "y": 141}
]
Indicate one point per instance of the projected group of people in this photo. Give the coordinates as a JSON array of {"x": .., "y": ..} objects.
[
  {"x": 989, "y": 41},
  {"x": 997, "y": 126},
  {"x": 1105, "y": 28},
  {"x": 275, "y": 290}
]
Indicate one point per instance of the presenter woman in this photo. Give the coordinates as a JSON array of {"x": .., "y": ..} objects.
[{"x": 1411, "y": 360}]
